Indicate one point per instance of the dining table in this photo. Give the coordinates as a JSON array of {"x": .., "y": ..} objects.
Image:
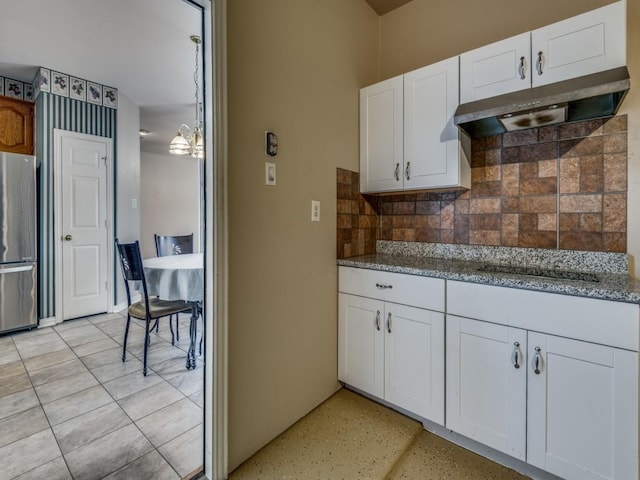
[{"x": 179, "y": 277}]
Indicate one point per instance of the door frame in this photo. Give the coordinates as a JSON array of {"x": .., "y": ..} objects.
[{"x": 58, "y": 133}]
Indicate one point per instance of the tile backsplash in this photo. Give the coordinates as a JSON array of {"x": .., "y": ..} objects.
[{"x": 555, "y": 187}]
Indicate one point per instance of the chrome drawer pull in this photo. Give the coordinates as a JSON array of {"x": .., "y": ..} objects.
[
  {"x": 537, "y": 361},
  {"x": 389, "y": 322},
  {"x": 378, "y": 320},
  {"x": 382, "y": 286},
  {"x": 515, "y": 356}
]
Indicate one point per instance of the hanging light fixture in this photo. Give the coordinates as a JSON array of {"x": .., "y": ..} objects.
[{"x": 189, "y": 141}]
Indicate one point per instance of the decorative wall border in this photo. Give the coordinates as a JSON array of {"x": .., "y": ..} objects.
[
  {"x": 12, "y": 88},
  {"x": 64, "y": 85}
]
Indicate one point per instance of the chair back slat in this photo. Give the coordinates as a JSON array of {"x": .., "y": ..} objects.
[
  {"x": 132, "y": 269},
  {"x": 173, "y": 244}
]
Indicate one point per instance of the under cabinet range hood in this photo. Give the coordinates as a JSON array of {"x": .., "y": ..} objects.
[{"x": 591, "y": 96}]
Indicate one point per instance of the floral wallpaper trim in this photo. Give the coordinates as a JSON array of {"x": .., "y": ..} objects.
[
  {"x": 16, "y": 89},
  {"x": 64, "y": 85}
]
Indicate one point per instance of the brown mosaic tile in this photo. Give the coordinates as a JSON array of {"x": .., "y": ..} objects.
[
  {"x": 510, "y": 230},
  {"x": 367, "y": 222},
  {"x": 429, "y": 235},
  {"x": 511, "y": 179},
  {"x": 510, "y": 205},
  {"x": 615, "y": 143},
  {"x": 484, "y": 205},
  {"x": 548, "y": 168},
  {"x": 569, "y": 222},
  {"x": 522, "y": 137},
  {"x": 580, "y": 203},
  {"x": 493, "y": 157},
  {"x": 427, "y": 207},
  {"x": 528, "y": 171},
  {"x": 547, "y": 222},
  {"x": 537, "y": 239},
  {"x": 539, "y": 204},
  {"x": 570, "y": 175},
  {"x": 528, "y": 222},
  {"x": 343, "y": 206},
  {"x": 592, "y": 183},
  {"x": 344, "y": 176},
  {"x": 581, "y": 241},
  {"x": 538, "y": 186},
  {"x": 484, "y": 222},
  {"x": 484, "y": 237},
  {"x": 461, "y": 206},
  {"x": 404, "y": 221},
  {"x": 615, "y": 172},
  {"x": 447, "y": 215},
  {"x": 404, "y": 235},
  {"x": 345, "y": 221},
  {"x": 493, "y": 141},
  {"x": 487, "y": 189},
  {"x": 447, "y": 236},
  {"x": 590, "y": 222},
  {"x": 344, "y": 191},
  {"x": 404, "y": 208},
  {"x": 548, "y": 134},
  {"x": 615, "y": 124},
  {"x": 581, "y": 147},
  {"x": 614, "y": 215},
  {"x": 615, "y": 242},
  {"x": 478, "y": 158},
  {"x": 580, "y": 129}
]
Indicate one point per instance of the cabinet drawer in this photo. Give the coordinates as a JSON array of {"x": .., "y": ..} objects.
[
  {"x": 592, "y": 320},
  {"x": 413, "y": 290}
]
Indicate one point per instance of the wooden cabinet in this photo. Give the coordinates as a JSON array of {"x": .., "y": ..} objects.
[
  {"x": 392, "y": 351},
  {"x": 407, "y": 137},
  {"x": 588, "y": 43},
  {"x": 16, "y": 126},
  {"x": 563, "y": 404}
]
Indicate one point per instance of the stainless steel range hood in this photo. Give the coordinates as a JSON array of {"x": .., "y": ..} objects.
[{"x": 582, "y": 98}]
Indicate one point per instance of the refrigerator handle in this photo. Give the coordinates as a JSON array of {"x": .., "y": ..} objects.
[{"x": 16, "y": 269}]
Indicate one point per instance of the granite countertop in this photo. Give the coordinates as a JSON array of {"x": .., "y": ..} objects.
[{"x": 604, "y": 283}]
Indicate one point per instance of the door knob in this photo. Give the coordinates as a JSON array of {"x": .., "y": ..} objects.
[{"x": 68, "y": 238}]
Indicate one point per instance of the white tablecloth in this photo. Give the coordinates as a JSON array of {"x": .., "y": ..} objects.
[{"x": 176, "y": 277}]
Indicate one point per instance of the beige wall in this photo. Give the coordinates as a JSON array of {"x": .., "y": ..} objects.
[
  {"x": 169, "y": 199},
  {"x": 294, "y": 67},
  {"x": 425, "y": 31}
]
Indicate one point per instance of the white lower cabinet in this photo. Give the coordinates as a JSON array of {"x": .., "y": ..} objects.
[
  {"x": 566, "y": 406},
  {"x": 394, "y": 352}
]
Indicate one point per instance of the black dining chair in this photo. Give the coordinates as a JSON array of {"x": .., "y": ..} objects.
[
  {"x": 173, "y": 244},
  {"x": 147, "y": 309}
]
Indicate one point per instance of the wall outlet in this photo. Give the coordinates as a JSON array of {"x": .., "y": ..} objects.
[
  {"x": 315, "y": 210},
  {"x": 269, "y": 173}
]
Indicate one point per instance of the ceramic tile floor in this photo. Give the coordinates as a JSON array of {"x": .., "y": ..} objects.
[
  {"x": 352, "y": 438},
  {"x": 71, "y": 409}
]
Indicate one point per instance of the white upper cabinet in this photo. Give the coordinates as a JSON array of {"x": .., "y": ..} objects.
[
  {"x": 433, "y": 156},
  {"x": 407, "y": 137},
  {"x": 381, "y": 158},
  {"x": 501, "y": 67},
  {"x": 588, "y": 43}
]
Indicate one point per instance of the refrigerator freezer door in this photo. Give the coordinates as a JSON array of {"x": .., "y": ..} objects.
[
  {"x": 17, "y": 208},
  {"x": 17, "y": 296}
]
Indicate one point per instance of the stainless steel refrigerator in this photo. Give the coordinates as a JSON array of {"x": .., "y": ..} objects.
[{"x": 18, "y": 242}]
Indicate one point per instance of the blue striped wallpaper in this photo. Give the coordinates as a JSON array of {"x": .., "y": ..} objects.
[{"x": 53, "y": 111}]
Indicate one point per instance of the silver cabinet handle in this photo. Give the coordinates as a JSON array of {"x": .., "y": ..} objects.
[
  {"x": 406, "y": 171},
  {"x": 515, "y": 356},
  {"x": 537, "y": 361},
  {"x": 540, "y": 62},
  {"x": 389, "y": 322},
  {"x": 378, "y": 320},
  {"x": 522, "y": 69},
  {"x": 383, "y": 286},
  {"x": 397, "y": 172}
]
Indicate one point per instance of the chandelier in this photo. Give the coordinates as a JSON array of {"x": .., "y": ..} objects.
[{"x": 189, "y": 141}]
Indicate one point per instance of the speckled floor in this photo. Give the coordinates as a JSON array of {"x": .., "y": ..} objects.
[{"x": 352, "y": 438}]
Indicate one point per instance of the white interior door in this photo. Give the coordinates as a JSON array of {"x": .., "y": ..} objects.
[{"x": 84, "y": 229}]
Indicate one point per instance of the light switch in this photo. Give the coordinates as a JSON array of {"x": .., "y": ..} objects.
[
  {"x": 134, "y": 203},
  {"x": 269, "y": 173}
]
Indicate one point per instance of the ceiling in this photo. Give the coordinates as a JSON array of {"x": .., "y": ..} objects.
[
  {"x": 140, "y": 47},
  {"x": 385, "y": 6}
]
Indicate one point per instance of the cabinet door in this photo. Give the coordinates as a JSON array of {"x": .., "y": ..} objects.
[
  {"x": 582, "y": 409},
  {"x": 587, "y": 43},
  {"x": 431, "y": 140},
  {"x": 361, "y": 343},
  {"x": 16, "y": 126},
  {"x": 486, "y": 392},
  {"x": 414, "y": 360},
  {"x": 381, "y": 147},
  {"x": 494, "y": 69}
]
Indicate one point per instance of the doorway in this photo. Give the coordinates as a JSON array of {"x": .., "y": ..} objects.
[{"x": 83, "y": 166}]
